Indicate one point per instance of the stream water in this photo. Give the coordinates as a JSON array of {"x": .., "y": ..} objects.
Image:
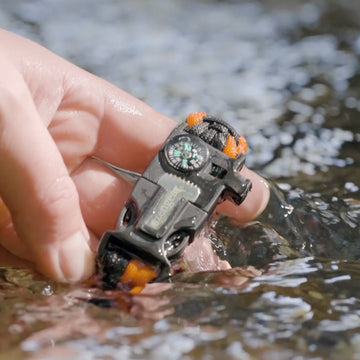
[{"x": 287, "y": 76}]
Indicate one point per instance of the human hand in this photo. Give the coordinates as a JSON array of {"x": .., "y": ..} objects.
[{"x": 55, "y": 200}]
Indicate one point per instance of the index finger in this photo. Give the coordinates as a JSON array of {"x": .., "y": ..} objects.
[{"x": 130, "y": 132}]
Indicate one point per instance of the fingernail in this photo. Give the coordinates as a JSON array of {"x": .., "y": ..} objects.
[
  {"x": 266, "y": 196},
  {"x": 259, "y": 195},
  {"x": 76, "y": 260}
]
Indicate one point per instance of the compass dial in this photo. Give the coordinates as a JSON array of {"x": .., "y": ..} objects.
[{"x": 186, "y": 153}]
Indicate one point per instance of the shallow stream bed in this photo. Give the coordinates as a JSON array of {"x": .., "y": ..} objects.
[{"x": 287, "y": 76}]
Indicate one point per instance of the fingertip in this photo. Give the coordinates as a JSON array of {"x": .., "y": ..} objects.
[
  {"x": 77, "y": 261},
  {"x": 72, "y": 261},
  {"x": 258, "y": 198},
  {"x": 255, "y": 202}
]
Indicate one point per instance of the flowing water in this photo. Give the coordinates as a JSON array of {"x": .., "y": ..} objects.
[{"x": 287, "y": 76}]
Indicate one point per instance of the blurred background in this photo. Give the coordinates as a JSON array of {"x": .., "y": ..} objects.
[{"x": 286, "y": 75}]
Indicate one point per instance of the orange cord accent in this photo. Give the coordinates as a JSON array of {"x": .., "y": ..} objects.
[
  {"x": 243, "y": 146},
  {"x": 195, "y": 117},
  {"x": 138, "y": 274},
  {"x": 233, "y": 150},
  {"x": 136, "y": 290},
  {"x": 230, "y": 148}
]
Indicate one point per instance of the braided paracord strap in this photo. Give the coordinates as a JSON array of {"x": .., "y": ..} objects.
[{"x": 216, "y": 133}]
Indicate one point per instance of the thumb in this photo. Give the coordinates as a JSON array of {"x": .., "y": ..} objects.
[{"x": 37, "y": 189}]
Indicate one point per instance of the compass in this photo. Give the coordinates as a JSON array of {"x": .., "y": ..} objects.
[{"x": 186, "y": 153}]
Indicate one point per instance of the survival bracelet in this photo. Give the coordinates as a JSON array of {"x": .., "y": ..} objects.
[{"x": 196, "y": 168}]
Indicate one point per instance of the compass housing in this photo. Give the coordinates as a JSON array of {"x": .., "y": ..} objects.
[{"x": 186, "y": 153}]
